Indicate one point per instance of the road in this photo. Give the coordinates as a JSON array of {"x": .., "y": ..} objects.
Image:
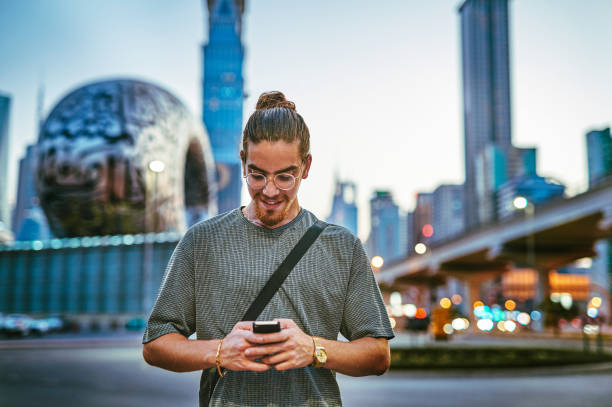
[{"x": 64, "y": 373}]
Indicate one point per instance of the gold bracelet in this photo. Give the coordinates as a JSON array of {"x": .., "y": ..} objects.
[{"x": 218, "y": 360}]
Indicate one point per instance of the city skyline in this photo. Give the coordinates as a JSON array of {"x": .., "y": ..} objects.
[{"x": 392, "y": 74}]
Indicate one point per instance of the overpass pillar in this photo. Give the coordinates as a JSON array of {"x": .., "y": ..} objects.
[{"x": 541, "y": 295}]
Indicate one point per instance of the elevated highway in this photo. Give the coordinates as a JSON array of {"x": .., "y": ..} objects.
[{"x": 555, "y": 234}]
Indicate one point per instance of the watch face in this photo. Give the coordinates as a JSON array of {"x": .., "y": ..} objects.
[{"x": 321, "y": 355}]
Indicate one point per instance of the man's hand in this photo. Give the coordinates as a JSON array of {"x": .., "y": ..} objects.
[
  {"x": 233, "y": 356},
  {"x": 290, "y": 348}
]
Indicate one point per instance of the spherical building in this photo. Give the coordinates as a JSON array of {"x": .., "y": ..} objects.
[{"x": 123, "y": 157}]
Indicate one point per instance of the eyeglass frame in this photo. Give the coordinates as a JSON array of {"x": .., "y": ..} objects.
[{"x": 295, "y": 178}]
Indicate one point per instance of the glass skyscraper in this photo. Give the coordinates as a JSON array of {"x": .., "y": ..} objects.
[
  {"x": 5, "y": 107},
  {"x": 486, "y": 87},
  {"x": 223, "y": 95}
]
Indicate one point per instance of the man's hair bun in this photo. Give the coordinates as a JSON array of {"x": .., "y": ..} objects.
[{"x": 270, "y": 100}]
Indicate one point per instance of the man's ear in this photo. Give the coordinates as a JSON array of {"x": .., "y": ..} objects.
[{"x": 307, "y": 163}]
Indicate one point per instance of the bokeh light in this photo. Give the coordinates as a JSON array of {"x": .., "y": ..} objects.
[
  {"x": 427, "y": 230},
  {"x": 592, "y": 312},
  {"x": 510, "y": 305},
  {"x": 421, "y": 313},
  {"x": 485, "y": 325},
  {"x": 510, "y": 326},
  {"x": 566, "y": 300},
  {"x": 520, "y": 202},
  {"x": 445, "y": 303},
  {"x": 393, "y": 322},
  {"x": 459, "y": 324},
  {"x": 448, "y": 329},
  {"x": 456, "y": 299},
  {"x": 420, "y": 248},
  {"x": 536, "y": 315},
  {"x": 523, "y": 318},
  {"x": 596, "y": 302},
  {"x": 377, "y": 262},
  {"x": 410, "y": 310},
  {"x": 478, "y": 304}
]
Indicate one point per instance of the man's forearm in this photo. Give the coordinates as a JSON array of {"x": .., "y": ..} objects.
[
  {"x": 176, "y": 353},
  {"x": 361, "y": 357}
]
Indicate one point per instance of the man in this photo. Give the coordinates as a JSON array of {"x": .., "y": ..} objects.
[{"x": 221, "y": 264}]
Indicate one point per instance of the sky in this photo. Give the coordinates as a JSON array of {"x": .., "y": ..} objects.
[{"x": 378, "y": 83}]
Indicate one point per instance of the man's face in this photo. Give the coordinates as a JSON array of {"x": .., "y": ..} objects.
[{"x": 273, "y": 206}]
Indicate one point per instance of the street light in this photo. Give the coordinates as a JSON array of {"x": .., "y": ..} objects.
[
  {"x": 156, "y": 167},
  {"x": 420, "y": 248},
  {"x": 522, "y": 203}
]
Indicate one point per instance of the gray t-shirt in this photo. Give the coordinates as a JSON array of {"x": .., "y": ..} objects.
[{"x": 218, "y": 269}]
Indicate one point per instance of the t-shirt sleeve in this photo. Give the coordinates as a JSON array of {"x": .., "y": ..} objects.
[
  {"x": 364, "y": 310},
  {"x": 174, "y": 309}
]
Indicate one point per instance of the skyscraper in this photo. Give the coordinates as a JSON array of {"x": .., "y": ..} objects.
[
  {"x": 223, "y": 95},
  {"x": 5, "y": 107},
  {"x": 29, "y": 221},
  {"x": 384, "y": 239},
  {"x": 486, "y": 86},
  {"x": 447, "y": 212},
  {"x": 599, "y": 155},
  {"x": 344, "y": 207}
]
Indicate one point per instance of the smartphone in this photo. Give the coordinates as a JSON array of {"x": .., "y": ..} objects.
[{"x": 266, "y": 327}]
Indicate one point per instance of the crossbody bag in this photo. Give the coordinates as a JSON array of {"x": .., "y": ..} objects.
[{"x": 209, "y": 377}]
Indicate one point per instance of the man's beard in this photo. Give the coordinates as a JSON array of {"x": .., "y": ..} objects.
[{"x": 274, "y": 218}]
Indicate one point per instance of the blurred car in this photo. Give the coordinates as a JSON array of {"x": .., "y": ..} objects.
[
  {"x": 39, "y": 327},
  {"x": 56, "y": 323},
  {"x": 17, "y": 325},
  {"x": 136, "y": 324}
]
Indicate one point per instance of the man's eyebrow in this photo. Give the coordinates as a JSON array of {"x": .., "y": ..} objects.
[{"x": 288, "y": 169}]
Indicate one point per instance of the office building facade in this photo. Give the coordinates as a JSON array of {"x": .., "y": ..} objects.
[
  {"x": 447, "y": 212},
  {"x": 29, "y": 221},
  {"x": 384, "y": 239},
  {"x": 486, "y": 87},
  {"x": 344, "y": 206},
  {"x": 222, "y": 104},
  {"x": 5, "y": 109},
  {"x": 599, "y": 156}
]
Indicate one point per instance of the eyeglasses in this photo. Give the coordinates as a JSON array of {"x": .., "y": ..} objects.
[{"x": 283, "y": 181}]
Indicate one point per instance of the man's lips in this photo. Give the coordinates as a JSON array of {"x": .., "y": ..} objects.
[{"x": 271, "y": 203}]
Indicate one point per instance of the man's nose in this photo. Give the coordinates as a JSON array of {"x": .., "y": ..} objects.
[{"x": 270, "y": 188}]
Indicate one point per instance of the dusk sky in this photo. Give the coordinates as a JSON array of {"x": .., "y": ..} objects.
[{"x": 378, "y": 83}]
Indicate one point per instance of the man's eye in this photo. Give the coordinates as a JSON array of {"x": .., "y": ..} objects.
[
  {"x": 284, "y": 177},
  {"x": 257, "y": 177}
]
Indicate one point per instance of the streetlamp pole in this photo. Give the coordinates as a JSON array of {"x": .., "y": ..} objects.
[{"x": 156, "y": 167}]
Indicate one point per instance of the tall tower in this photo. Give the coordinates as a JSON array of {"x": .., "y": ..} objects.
[
  {"x": 486, "y": 87},
  {"x": 223, "y": 95},
  {"x": 599, "y": 154},
  {"x": 5, "y": 108},
  {"x": 384, "y": 239},
  {"x": 344, "y": 206}
]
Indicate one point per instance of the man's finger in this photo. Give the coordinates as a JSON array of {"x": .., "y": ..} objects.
[
  {"x": 286, "y": 323},
  {"x": 268, "y": 338},
  {"x": 255, "y": 366},
  {"x": 246, "y": 325},
  {"x": 263, "y": 350},
  {"x": 276, "y": 359}
]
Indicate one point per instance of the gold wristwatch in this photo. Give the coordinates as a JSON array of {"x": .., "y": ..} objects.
[{"x": 320, "y": 355}]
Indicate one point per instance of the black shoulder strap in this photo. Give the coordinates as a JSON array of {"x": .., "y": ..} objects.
[{"x": 281, "y": 273}]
